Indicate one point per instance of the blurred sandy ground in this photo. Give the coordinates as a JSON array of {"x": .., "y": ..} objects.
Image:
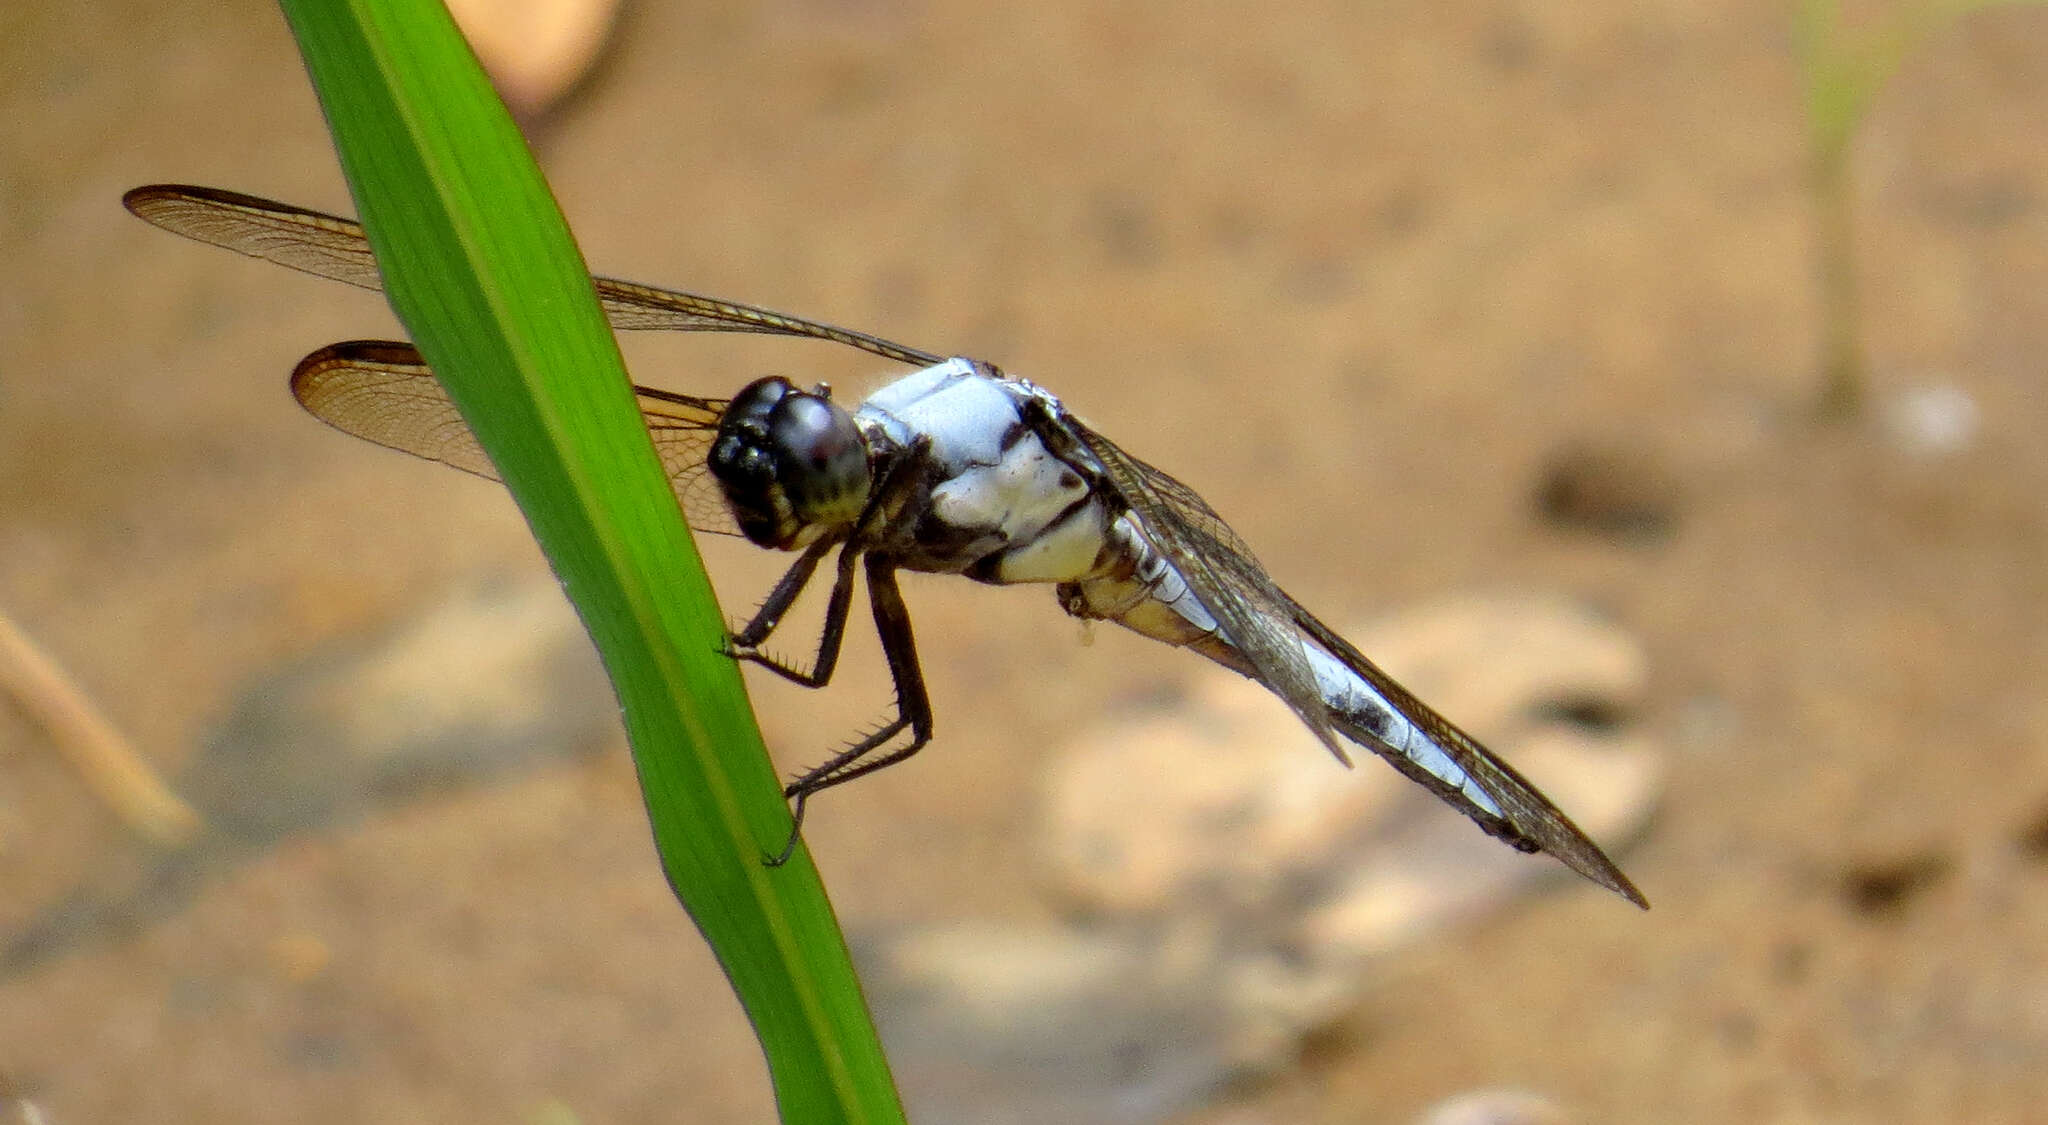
[{"x": 1353, "y": 273}]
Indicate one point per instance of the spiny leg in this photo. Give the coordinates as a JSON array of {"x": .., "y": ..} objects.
[
  {"x": 779, "y": 599},
  {"x": 902, "y": 474},
  {"x": 913, "y": 705},
  {"x": 744, "y": 645},
  {"x": 799, "y": 791}
]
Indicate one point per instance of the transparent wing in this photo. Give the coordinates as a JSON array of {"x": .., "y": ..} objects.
[
  {"x": 382, "y": 391},
  {"x": 1528, "y": 815},
  {"x": 1223, "y": 574},
  {"x": 1262, "y": 619},
  {"x": 333, "y": 247}
]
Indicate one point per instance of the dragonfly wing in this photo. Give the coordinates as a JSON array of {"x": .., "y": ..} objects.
[
  {"x": 1223, "y": 574},
  {"x": 383, "y": 392},
  {"x": 628, "y": 304},
  {"x": 1531, "y": 819},
  {"x": 1222, "y": 571},
  {"x": 333, "y": 247},
  {"x": 683, "y": 428},
  {"x": 322, "y": 245}
]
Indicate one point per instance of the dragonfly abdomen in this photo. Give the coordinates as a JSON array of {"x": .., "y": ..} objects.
[
  {"x": 1136, "y": 587},
  {"x": 1366, "y": 717}
]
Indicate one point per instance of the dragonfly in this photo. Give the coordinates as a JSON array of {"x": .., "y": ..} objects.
[{"x": 954, "y": 468}]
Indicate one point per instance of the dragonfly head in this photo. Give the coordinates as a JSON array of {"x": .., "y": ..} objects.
[{"x": 792, "y": 463}]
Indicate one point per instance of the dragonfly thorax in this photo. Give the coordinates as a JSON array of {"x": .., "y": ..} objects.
[{"x": 792, "y": 464}]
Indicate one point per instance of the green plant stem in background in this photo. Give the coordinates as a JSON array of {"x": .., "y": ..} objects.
[
  {"x": 480, "y": 267},
  {"x": 1842, "y": 362},
  {"x": 1843, "y": 72}
]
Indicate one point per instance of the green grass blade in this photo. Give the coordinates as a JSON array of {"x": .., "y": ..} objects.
[{"x": 479, "y": 265}]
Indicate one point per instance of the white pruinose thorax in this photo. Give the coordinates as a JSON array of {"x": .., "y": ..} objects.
[{"x": 995, "y": 476}]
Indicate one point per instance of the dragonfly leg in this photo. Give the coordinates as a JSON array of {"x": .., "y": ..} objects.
[
  {"x": 780, "y": 598},
  {"x": 898, "y": 478},
  {"x": 899, "y": 647},
  {"x": 744, "y": 645},
  {"x": 913, "y": 706}
]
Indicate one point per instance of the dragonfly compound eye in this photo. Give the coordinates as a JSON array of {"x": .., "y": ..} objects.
[
  {"x": 821, "y": 459},
  {"x": 789, "y": 462}
]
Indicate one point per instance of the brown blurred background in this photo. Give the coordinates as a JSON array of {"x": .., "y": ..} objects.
[{"x": 1361, "y": 273}]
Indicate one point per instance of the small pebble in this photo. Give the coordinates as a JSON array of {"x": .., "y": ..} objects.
[
  {"x": 1931, "y": 421},
  {"x": 1494, "y": 1107}
]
